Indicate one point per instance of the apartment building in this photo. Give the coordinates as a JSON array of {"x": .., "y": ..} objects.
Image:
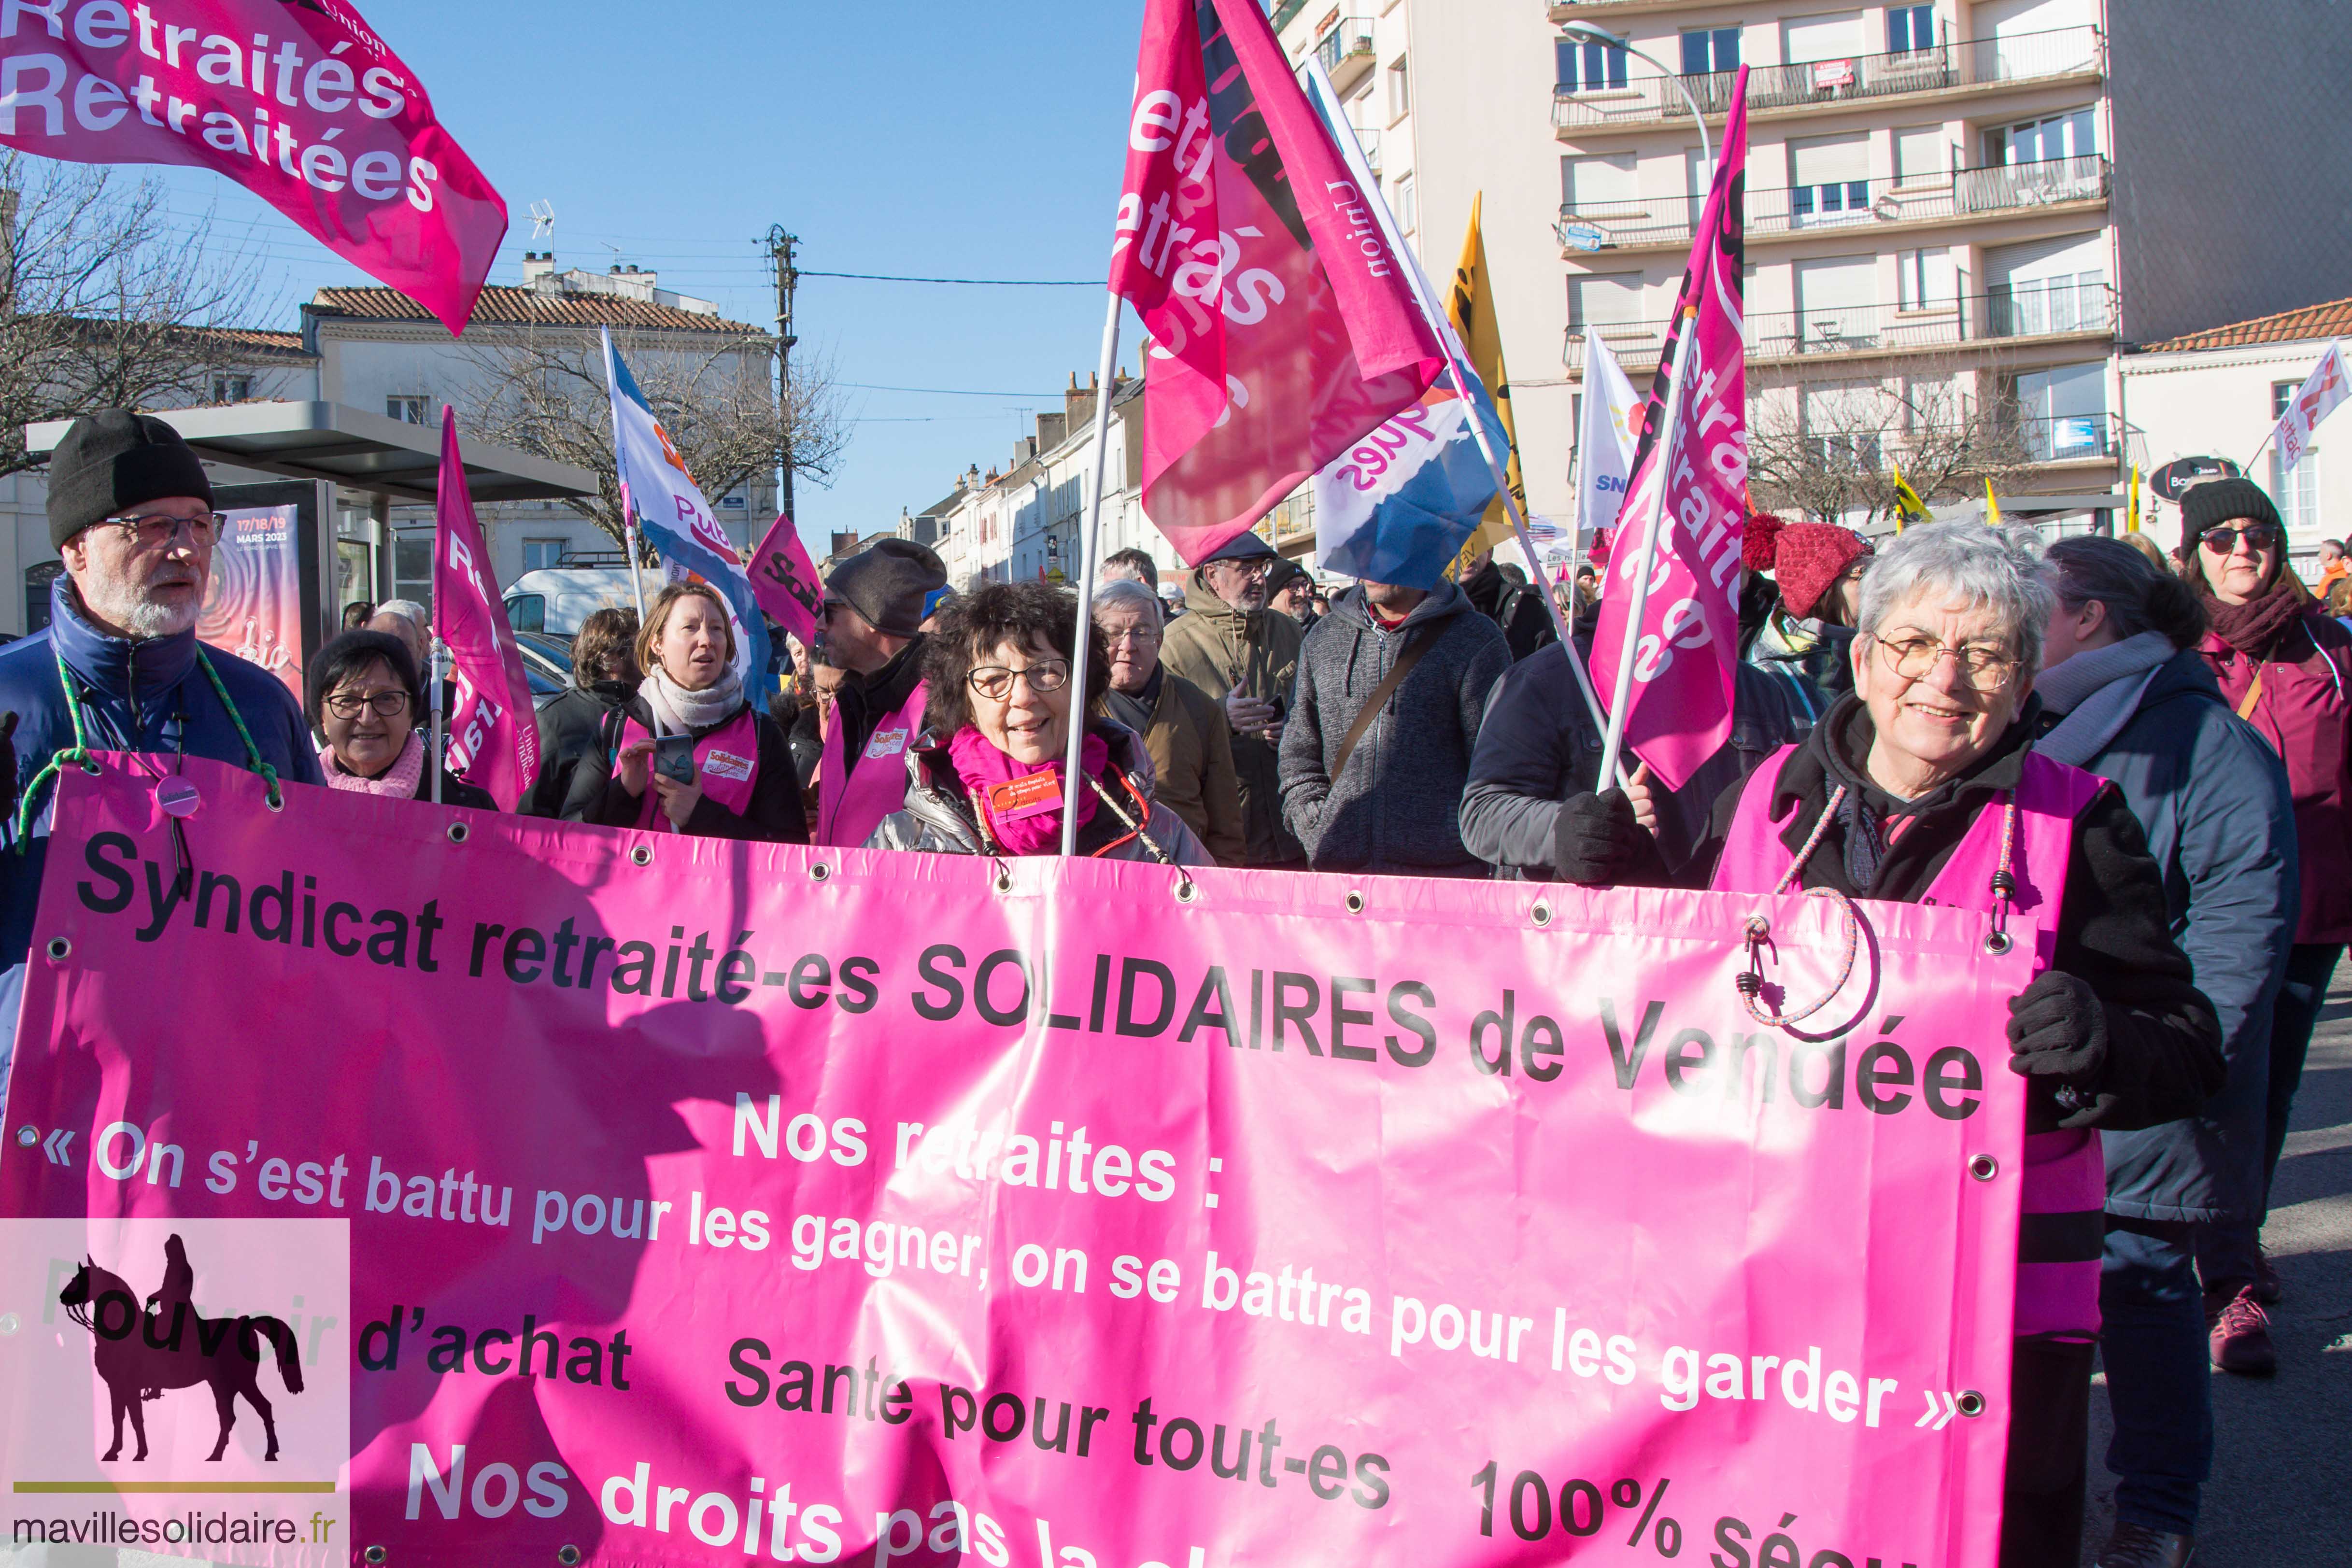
[{"x": 1958, "y": 212}]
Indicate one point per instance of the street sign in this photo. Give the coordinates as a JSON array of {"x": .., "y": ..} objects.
[
  {"x": 2172, "y": 481},
  {"x": 1582, "y": 235}
]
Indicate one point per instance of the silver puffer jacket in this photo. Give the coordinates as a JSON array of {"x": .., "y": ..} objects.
[{"x": 937, "y": 819}]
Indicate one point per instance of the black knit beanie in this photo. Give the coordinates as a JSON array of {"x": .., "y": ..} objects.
[
  {"x": 888, "y": 583},
  {"x": 2216, "y": 501},
  {"x": 113, "y": 460}
]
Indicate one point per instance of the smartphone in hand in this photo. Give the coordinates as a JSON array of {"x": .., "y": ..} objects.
[{"x": 674, "y": 757}]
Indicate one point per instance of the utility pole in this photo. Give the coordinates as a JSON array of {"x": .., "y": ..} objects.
[{"x": 779, "y": 251}]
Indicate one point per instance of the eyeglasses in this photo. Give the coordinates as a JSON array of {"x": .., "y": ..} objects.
[
  {"x": 350, "y": 705},
  {"x": 1257, "y": 568},
  {"x": 155, "y": 530},
  {"x": 994, "y": 682},
  {"x": 1132, "y": 635},
  {"x": 2224, "y": 541},
  {"x": 1982, "y": 665}
]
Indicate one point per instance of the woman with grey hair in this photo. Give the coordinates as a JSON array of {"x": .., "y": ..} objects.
[
  {"x": 2126, "y": 696},
  {"x": 1915, "y": 787},
  {"x": 1184, "y": 730}
]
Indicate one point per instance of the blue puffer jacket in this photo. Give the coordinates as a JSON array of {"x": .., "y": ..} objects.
[
  {"x": 2214, "y": 801},
  {"x": 136, "y": 696}
]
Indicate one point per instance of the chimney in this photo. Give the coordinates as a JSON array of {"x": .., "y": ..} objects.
[
  {"x": 536, "y": 265},
  {"x": 1024, "y": 449},
  {"x": 1078, "y": 406},
  {"x": 843, "y": 543},
  {"x": 1052, "y": 429}
]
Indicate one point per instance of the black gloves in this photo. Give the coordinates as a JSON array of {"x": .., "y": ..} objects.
[
  {"x": 2058, "y": 1029},
  {"x": 1595, "y": 840}
]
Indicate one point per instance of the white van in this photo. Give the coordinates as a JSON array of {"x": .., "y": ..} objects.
[{"x": 556, "y": 600}]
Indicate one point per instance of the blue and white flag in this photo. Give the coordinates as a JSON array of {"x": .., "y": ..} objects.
[
  {"x": 669, "y": 506},
  {"x": 1398, "y": 505},
  {"x": 1604, "y": 446}
]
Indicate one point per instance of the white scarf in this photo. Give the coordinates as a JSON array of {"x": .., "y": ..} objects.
[{"x": 678, "y": 711}]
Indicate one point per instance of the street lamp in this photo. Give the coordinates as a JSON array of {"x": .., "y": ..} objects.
[{"x": 1586, "y": 33}]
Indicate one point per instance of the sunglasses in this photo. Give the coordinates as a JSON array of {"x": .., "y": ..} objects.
[{"x": 2224, "y": 541}]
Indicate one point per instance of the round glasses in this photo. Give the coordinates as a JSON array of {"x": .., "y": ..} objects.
[
  {"x": 2224, "y": 541},
  {"x": 1982, "y": 665},
  {"x": 994, "y": 682},
  {"x": 351, "y": 704}
]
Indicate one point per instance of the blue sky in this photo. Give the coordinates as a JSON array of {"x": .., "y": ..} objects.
[{"x": 981, "y": 143}]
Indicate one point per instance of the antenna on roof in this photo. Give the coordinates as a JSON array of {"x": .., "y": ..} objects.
[{"x": 542, "y": 219}]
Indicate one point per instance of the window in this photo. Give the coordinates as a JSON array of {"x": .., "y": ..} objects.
[
  {"x": 2296, "y": 488},
  {"x": 412, "y": 568},
  {"x": 232, "y": 389},
  {"x": 1919, "y": 156},
  {"x": 1400, "y": 89},
  {"x": 1596, "y": 180},
  {"x": 527, "y": 611},
  {"x": 1924, "y": 279},
  {"x": 539, "y": 554},
  {"x": 1831, "y": 183},
  {"x": 1408, "y": 209},
  {"x": 1604, "y": 300},
  {"x": 1706, "y": 50},
  {"x": 1589, "y": 68},
  {"x": 408, "y": 409},
  {"x": 2075, "y": 134},
  {"x": 1910, "y": 27}
]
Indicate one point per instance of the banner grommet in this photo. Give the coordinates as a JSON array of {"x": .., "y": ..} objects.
[
  {"x": 567, "y": 1554},
  {"x": 1541, "y": 914},
  {"x": 374, "y": 1555},
  {"x": 1355, "y": 902},
  {"x": 641, "y": 854},
  {"x": 59, "y": 949},
  {"x": 819, "y": 871},
  {"x": 458, "y": 832},
  {"x": 1969, "y": 1403},
  {"x": 1984, "y": 1167},
  {"x": 1187, "y": 891}
]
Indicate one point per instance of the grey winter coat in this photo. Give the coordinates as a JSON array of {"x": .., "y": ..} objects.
[
  {"x": 937, "y": 819},
  {"x": 2213, "y": 799},
  {"x": 1396, "y": 808}
]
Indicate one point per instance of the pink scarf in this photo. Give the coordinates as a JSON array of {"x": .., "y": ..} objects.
[
  {"x": 1023, "y": 816},
  {"x": 398, "y": 782}
]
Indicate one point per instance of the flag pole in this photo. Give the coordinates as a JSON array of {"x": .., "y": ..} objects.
[
  {"x": 433, "y": 699},
  {"x": 1353, "y": 154},
  {"x": 621, "y": 476},
  {"x": 1072, "y": 782},
  {"x": 1613, "y": 737}
]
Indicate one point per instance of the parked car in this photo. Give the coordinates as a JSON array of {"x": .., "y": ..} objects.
[{"x": 554, "y": 599}]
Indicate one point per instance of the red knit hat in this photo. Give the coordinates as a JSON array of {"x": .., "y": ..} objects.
[{"x": 1804, "y": 558}]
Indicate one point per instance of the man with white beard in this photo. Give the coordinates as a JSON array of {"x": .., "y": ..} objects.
[{"x": 118, "y": 668}]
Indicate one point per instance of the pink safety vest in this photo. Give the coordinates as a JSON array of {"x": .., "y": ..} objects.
[
  {"x": 2065, "y": 1178},
  {"x": 727, "y": 761},
  {"x": 847, "y": 813}
]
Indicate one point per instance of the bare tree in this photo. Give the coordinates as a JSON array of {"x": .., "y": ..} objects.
[
  {"x": 540, "y": 388},
  {"x": 105, "y": 302},
  {"x": 1834, "y": 460}
]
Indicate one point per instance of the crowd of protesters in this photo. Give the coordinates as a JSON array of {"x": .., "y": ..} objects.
[{"x": 2172, "y": 730}]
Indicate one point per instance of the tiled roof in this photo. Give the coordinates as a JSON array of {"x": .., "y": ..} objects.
[
  {"x": 255, "y": 341},
  {"x": 506, "y": 305},
  {"x": 2333, "y": 320}
]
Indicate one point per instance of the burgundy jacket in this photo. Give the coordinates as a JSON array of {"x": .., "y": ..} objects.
[{"x": 2304, "y": 710}]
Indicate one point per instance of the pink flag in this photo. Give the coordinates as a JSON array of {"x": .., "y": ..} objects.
[
  {"x": 785, "y": 581},
  {"x": 300, "y": 103},
  {"x": 1685, "y": 650},
  {"x": 493, "y": 734},
  {"x": 1283, "y": 328}
]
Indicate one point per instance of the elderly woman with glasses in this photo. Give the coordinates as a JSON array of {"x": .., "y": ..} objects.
[
  {"x": 2284, "y": 664},
  {"x": 1913, "y": 789},
  {"x": 986, "y": 775},
  {"x": 1183, "y": 729},
  {"x": 367, "y": 699}
]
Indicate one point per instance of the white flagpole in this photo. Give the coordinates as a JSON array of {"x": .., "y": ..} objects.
[
  {"x": 1072, "y": 780},
  {"x": 1444, "y": 328},
  {"x": 432, "y": 698},
  {"x": 1613, "y": 738}
]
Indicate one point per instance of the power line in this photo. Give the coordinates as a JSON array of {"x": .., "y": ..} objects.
[
  {"x": 978, "y": 282},
  {"x": 944, "y": 391}
]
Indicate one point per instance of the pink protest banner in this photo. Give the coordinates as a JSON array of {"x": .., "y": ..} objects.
[
  {"x": 712, "y": 1207},
  {"x": 785, "y": 581},
  {"x": 493, "y": 735},
  {"x": 1283, "y": 326},
  {"x": 300, "y": 103},
  {"x": 1687, "y": 645}
]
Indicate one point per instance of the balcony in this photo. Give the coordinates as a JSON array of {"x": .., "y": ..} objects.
[
  {"x": 1856, "y": 204},
  {"x": 1345, "y": 52},
  {"x": 1776, "y": 90},
  {"x": 2072, "y": 437},
  {"x": 2080, "y": 308}
]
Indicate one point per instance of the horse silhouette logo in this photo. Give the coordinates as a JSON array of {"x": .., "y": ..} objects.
[{"x": 142, "y": 1353}]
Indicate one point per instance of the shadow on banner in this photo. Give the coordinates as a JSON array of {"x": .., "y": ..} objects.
[{"x": 253, "y": 608}]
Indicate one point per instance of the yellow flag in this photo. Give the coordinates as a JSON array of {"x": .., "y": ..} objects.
[
  {"x": 2131, "y": 517},
  {"x": 1471, "y": 305},
  {"x": 1908, "y": 507},
  {"x": 1992, "y": 507}
]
